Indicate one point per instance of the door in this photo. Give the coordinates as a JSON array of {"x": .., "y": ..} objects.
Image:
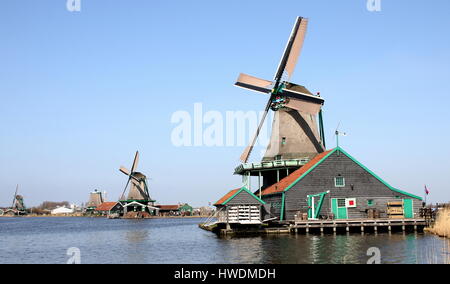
[
  {"x": 408, "y": 208},
  {"x": 339, "y": 209}
]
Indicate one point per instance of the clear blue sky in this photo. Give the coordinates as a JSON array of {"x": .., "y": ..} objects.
[{"x": 80, "y": 92}]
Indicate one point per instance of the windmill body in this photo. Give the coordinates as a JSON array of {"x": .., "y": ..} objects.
[
  {"x": 297, "y": 128},
  {"x": 95, "y": 199}
]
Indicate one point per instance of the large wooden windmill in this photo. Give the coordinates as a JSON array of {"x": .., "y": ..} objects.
[
  {"x": 138, "y": 199},
  {"x": 297, "y": 129},
  {"x": 295, "y": 132}
]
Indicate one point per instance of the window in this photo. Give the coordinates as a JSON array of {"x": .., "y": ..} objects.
[
  {"x": 341, "y": 203},
  {"x": 370, "y": 202},
  {"x": 339, "y": 181},
  {"x": 276, "y": 205},
  {"x": 283, "y": 141},
  {"x": 278, "y": 157}
]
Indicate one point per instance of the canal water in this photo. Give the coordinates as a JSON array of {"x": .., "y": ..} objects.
[{"x": 180, "y": 241}]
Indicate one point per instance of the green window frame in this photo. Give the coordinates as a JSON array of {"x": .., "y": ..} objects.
[
  {"x": 370, "y": 202},
  {"x": 339, "y": 181}
]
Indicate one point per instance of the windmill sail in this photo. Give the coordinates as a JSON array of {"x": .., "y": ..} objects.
[
  {"x": 253, "y": 83},
  {"x": 293, "y": 49},
  {"x": 246, "y": 155},
  {"x": 295, "y": 131}
]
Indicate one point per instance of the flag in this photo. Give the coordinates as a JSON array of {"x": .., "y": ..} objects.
[{"x": 427, "y": 192}]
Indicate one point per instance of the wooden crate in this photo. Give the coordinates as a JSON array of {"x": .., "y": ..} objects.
[{"x": 395, "y": 210}]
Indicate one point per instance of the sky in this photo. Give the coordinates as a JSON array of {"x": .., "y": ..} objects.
[{"x": 82, "y": 91}]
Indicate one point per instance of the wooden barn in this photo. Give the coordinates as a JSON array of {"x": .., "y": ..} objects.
[
  {"x": 109, "y": 208},
  {"x": 334, "y": 185},
  {"x": 240, "y": 206}
]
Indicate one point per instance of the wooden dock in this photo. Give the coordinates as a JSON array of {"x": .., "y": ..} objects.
[
  {"x": 328, "y": 227},
  {"x": 360, "y": 226}
]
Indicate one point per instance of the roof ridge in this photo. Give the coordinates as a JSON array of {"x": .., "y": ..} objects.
[{"x": 280, "y": 186}]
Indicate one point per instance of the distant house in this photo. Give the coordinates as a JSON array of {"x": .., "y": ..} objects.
[
  {"x": 62, "y": 211},
  {"x": 240, "y": 206},
  {"x": 108, "y": 208},
  {"x": 175, "y": 210},
  {"x": 335, "y": 185}
]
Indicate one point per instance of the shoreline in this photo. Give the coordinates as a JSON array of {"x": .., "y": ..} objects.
[{"x": 105, "y": 217}]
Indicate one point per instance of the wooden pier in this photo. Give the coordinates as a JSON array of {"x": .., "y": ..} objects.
[
  {"x": 358, "y": 226},
  {"x": 327, "y": 227}
]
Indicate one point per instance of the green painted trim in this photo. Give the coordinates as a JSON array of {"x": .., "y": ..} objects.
[
  {"x": 378, "y": 178},
  {"x": 248, "y": 191},
  {"x": 408, "y": 208},
  {"x": 358, "y": 163},
  {"x": 322, "y": 131},
  {"x": 319, "y": 205},
  {"x": 283, "y": 200},
  {"x": 137, "y": 200},
  {"x": 310, "y": 170}
]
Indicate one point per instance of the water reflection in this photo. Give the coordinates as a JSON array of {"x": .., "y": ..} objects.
[{"x": 180, "y": 241}]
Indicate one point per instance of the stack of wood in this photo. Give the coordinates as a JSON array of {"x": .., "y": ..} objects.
[
  {"x": 395, "y": 210},
  {"x": 373, "y": 214}
]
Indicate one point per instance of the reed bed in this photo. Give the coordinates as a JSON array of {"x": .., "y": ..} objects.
[{"x": 442, "y": 225}]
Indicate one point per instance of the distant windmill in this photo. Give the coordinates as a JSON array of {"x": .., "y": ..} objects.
[
  {"x": 138, "y": 196},
  {"x": 95, "y": 199},
  {"x": 296, "y": 108},
  {"x": 18, "y": 205}
]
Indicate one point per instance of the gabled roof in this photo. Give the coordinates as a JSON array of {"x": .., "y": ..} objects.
[
  {"x": 106, "y": 206},
  {"x": 169, "y": 207},
  {"x": 230, "y": 195},
  {"x": 291, "y": 180}
]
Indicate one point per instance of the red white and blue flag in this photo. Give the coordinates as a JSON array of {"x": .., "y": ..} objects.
[{"x": 427, "y": 192}]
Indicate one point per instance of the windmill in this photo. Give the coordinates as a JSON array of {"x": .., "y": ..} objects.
[
  {"x": 138, "y": 198},
  {"x": 95, "y": 199},
  {"x": 18, "y": 205},
  {"x": 295, "y": 133}
]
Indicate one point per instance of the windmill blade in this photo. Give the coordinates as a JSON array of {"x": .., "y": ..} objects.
[
  {"x": 297, "y": 46},
  {"x": 125, "y": 189},
  {"x": 246, "y": 154},
  {"x": 135, "y": 162},
  {"x": 304, "y": 106},
  {"x": 253, "y": 83},
  {"x": 125, "y": 171},
  {"x": 15, "y": 196},
  {"x": 293, "y": 49}
]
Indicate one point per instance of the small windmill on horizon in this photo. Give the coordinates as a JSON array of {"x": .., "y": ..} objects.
[{"x": 17, "y": 207}]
